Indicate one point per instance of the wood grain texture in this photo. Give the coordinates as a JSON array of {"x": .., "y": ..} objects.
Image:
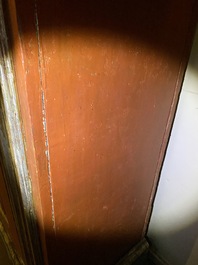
[{"x": 98, "y": 83}]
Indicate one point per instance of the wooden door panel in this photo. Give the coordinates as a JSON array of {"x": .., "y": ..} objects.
[{"x": 98, "y": 83}]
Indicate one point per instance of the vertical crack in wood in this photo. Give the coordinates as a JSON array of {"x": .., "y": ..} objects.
[{"x": 44, "y": 119}]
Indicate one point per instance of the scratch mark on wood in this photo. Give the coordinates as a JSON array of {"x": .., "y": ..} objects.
[
  {"x": 44, "y": 119},
  {"x": 69, "y": 217}
]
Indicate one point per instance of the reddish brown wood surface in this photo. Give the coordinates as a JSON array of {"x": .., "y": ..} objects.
[{"x": 98, "y": 83}]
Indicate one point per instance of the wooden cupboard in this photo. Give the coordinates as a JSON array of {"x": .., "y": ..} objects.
[{"x": 97, "y": 84}]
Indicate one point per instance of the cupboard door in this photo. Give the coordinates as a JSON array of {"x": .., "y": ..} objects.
[{"x": 98, "y": 84}]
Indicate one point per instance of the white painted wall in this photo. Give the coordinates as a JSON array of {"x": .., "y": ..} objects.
[{"x": 173, "y": 228}]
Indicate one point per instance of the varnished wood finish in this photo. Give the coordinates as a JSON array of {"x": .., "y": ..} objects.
[
  {"x": 18, "y": 226},
  {"x": 98, "y": 84}
]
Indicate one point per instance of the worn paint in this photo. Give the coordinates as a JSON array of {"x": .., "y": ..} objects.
[{"x": 40, "y": 62}]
